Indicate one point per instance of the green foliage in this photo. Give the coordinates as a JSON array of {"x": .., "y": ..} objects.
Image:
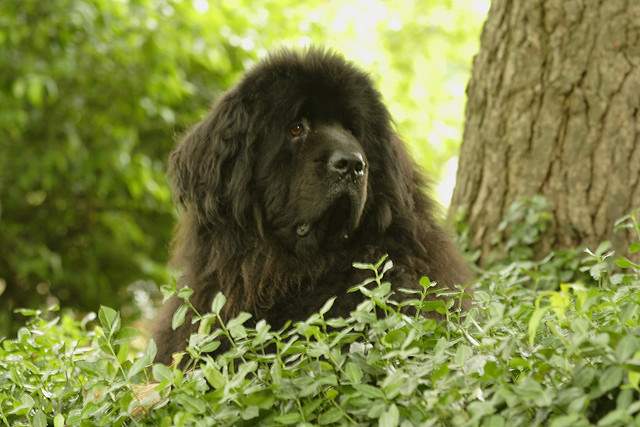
[
  {"x": 521, "y": 357},
  {"x": 523, "y": 225},
  {"x": 91, "y": 93}
]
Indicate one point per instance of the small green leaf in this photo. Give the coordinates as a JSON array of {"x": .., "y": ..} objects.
[
  {"x": 380, "y": 262},
  {"x": 327, "y": 305},
  {"x": 565, "y": 420},
  {"x": 618, "y": 417},
  {"x": 626, "y": 347},
  {"x": 191, "y": 403},
  {"x": 126, "y": 334},
  {"x": 390, "y": 417},
  {"x": 387, "y": 266},
  {"x": 184, "y": 293},
  {"x": 145, "y": 360},
  {"x": 439, "y": 373},
  {"x": 353, "y": 372},
  {"x": 179, "y": 316},
  {"x": 238, "y": 320},
  {"x": 290, "y": 418},
  {"x": 333, "y": 415},
  {"x": 39, "y": 419},
  {"x": 218, "y": 302},
  {"x": 210, "y": 345},
  {"x": 109, "y": 319},
  {"x": 162, "y": 373},
  {"x": 58, "y": 420},
  {"x": 626, "y": 263},
  {"x": 263, "y": 399},
  {"x": 425, "y": 282},
  {"x": 27, "y": 312},
  {"x": 213, "y": 376},
  {"x": 369, "y": 391},
  {"x": 534, "y": 322},
  {"x": 250, "y": 412},
  {"x": 168, "y": 291},
  {"x": 363, "y": 266},
  {"x": 611, "y": 378}
]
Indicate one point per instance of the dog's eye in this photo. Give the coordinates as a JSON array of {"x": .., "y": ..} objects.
[{"x": 296, "y": 130}]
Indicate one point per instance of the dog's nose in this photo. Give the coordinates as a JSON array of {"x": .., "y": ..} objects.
[{"x": 346, "y": 163}]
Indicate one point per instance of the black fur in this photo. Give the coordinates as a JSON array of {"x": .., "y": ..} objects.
[{"x": 249, "y": 187}]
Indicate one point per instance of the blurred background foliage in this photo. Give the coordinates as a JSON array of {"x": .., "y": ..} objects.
[{"x": 93, "y": 94}]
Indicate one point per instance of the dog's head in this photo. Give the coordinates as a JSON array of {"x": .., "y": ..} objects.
[{"x": 301, "y": 152}]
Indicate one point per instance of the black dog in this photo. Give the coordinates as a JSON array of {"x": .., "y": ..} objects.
[{"x": 294, "y": 175}]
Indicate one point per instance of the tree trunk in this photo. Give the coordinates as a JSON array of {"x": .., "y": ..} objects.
[{"x": 553, "y": 109}]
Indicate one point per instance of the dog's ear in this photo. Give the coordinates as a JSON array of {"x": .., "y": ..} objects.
[
  {"x": 398, "y": 184},
  {"x": 211, "y": 167}
]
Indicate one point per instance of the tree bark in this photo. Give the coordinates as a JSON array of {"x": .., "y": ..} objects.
[{"x": 553, "y": 109}]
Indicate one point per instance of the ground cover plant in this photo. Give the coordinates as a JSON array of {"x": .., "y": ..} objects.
[{"x": 548, "y": 342}]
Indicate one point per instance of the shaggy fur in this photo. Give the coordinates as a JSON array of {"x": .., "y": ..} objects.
[{"x": 294, "y": 175}]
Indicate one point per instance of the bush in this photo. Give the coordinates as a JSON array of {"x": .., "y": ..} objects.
[{"x": 521, "y": 356}]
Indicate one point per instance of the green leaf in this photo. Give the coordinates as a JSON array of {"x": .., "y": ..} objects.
[
  {"x": 218, "y": 302},
  {"x": 162, "y": 372},
  {"x": 626, "y": 347},
  {"x": 369, "y": 391},
  {"x": 58, "y": 420},
  {"x": 288, "y": 419},
  {"x": 534, "y": 322},
  {"x": 353, "y": 373},
  {"x": 438, "y": 306},
  {"x": 363, "y": 266},
  {"x": 168, "y": 291},
  {"x": 387, "y": 266},
  {"x": 144, "y": 361},
  {"x": 611, "y": 378},
  {"x": 126, "y": 334},
  {"x": 263, "y": 399},
  {"x": 332, "y": 415},
  {"x": 390, "y": 417},
  {"x": 439, "y": 373},
  {"x": 618, "y": 417},
  {"x": 626, "y": 263},
  {"x": 394, "y": 338},
  {"x": 377, "y": 265},
  {"x": 184, "y": 293},
  {"x": 494, "y": 421},
  {"x": 426, "y": 283},
  {"x": 566, "y": 420},
  {"x": 192, "y": 404},
  {"x": 179, "y": 316},
  {"x": 327, "y": 305},
  {"x": 39, "y": 419},
  {"x": 238, "y": 320},
  {"x": 210, "y": 345},
  {"x": 213, "y": 376},
  {"x": 27, "y": 312},
  {"x": 109, "y": 319}
]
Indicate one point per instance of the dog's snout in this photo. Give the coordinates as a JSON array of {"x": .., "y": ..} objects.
[{"x": 346, "y": 163}]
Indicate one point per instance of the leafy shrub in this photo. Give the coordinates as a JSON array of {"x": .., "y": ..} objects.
[{"x": 521, "y": 356}]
